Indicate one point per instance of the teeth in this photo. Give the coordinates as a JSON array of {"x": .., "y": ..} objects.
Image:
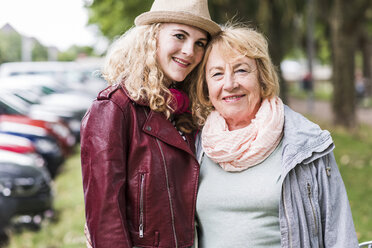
[
  {"x": 179, "y": 61},
  {"x": 231, "y": 97}
]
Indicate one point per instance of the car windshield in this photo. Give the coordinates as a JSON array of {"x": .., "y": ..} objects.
[{"x": 13, "y": 105}]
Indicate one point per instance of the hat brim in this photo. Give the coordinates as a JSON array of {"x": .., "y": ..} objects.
[{"x": 182, "y": 17}]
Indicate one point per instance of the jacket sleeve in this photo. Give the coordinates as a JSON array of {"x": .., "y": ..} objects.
[
  {"x": 103, "y": 158},
  {"x": 338, "y": 227}
]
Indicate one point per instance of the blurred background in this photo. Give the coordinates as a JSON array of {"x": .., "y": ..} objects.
[{"x": 51, "y": 52}]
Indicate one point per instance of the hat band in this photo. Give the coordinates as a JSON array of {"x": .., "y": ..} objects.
[{"x": 181, "y": 17}]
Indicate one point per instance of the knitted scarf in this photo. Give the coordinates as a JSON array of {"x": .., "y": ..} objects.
[{"x": 240, "y": 149}]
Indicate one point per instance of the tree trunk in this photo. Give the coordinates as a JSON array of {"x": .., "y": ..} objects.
[
  {"x": 275, "y": 28},
  {"x": 366, "y": 47},
  {"x": 343, "y": 38}
]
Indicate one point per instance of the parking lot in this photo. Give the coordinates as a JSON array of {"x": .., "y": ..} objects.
[{"x": 41, "y": 107}]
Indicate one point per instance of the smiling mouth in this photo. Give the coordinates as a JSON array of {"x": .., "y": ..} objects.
[
  {"x": 232, "y": 98},
  {"x": 182, "y": 62}
]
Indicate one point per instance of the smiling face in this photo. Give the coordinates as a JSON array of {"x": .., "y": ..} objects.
[
  {"x": 233, "y": 86},
  {"x": 180, "y": 49}
]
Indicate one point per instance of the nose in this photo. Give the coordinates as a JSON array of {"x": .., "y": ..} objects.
[
  {"x": 188, "y": 49},
  {"x": 229, "y": 81}
]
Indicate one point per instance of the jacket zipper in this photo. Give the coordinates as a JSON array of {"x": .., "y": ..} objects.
[
  {"x": 312, "y": 207},
  {"x": 168, "y": 189},
  {"x": 169, "y": 193},
  {"x": 286, "y": 216},
  {"x": 141, "y": 206}
]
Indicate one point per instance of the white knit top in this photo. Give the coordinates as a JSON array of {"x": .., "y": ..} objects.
[{"x": 239, "y": 209}]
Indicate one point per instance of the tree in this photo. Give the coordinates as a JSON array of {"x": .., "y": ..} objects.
[
  {"x": 74, "y": 52},
  {"x": 365, "y": 44},
  {"x": 39, "y": 52},
  {"x": 10, "y": 47},
  {"x": 115, "y": 17},
  {"x": 345, "y": 20}
]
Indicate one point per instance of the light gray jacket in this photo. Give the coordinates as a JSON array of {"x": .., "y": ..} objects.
[{"x": 314, "y": 209}]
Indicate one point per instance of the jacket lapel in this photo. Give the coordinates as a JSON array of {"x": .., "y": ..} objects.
[{"x": 156, "y": 125}]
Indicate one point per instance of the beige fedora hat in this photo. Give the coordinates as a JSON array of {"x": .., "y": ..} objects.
[{"x": 190, "y": 12}]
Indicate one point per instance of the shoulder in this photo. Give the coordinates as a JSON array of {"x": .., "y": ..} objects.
[
  {"x": 298, "y": 126},
  {"x": 106, "y": 93},
  {"x": 112, "y": 99},
  {"x": 112, "y": 106},
  {"x": 303, "y": 140},
  {"x": 114, "y": 93}
]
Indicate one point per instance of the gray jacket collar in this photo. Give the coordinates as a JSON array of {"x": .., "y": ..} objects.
[{"x": 303, "y": 140}]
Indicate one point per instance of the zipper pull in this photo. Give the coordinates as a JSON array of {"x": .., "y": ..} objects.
[
  {"x": 308, "y": 189},
  {"x": 141, "y": 230}
]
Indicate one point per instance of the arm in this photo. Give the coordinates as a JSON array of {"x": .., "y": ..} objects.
[
  {"x": 103, "y": 157},
  {"x": 338, "y": 227}
]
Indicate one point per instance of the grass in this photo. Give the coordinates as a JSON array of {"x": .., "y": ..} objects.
[
  {"x": 353, "y": 154},
  {"x": 354, "y": 158}
]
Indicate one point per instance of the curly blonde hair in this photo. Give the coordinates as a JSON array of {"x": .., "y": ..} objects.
[
  {"x": 131, "y": 62},
  {"x": 233, "y": 39}
]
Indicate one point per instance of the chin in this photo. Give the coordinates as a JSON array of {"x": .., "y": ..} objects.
[{"x": 178, "y": 78}]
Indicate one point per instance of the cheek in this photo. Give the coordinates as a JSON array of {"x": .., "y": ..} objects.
[
  {"x": 213, "y": 92},
  {"x": 159, "y": 53},
  {"x": 199, "y": 56},
  {"x": 255, "y": 95},
  {"x": 162, "y": 50}
]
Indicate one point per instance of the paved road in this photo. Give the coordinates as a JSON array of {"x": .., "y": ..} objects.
[{"x": 323, "y": 111}]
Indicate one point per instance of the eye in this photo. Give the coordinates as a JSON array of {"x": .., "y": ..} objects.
[
  {"x": 180, "y": 36},
  {"x": 200, "y": 44},
  {"x": 217, "y": 74},
  {"x": 241, "y": 71}
]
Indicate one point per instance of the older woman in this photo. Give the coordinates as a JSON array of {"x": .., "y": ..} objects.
[{"x": 268, "y": 176}]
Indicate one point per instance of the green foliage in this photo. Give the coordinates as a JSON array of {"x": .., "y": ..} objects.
[
  {"x": 75, "y": 51},
  {"x": 39, "y": 52},
  {"x": 323, "y": 47},
  {"x": 10, "y": 47},
  {"x": 114, "y": 17}
]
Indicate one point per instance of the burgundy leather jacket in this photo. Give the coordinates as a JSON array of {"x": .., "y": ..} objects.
[{"x": 140, "y": 176}]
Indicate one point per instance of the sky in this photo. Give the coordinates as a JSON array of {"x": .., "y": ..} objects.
[{"x": 59, "y": 23}]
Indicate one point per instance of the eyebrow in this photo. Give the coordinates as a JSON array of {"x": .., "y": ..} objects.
[
  {"x": 243, "y": 63},
  {"x": 221, "y": 67},
  {"x": 215, "y": 68},
  {"x": 187, "y": 34}
]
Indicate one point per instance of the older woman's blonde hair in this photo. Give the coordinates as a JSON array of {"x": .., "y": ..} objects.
[
  {"x": 235, "y": 39},
  {"x": 131, "y": 61}
]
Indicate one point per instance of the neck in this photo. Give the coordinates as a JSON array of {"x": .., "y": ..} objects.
[{"x": 235, "y": 125}]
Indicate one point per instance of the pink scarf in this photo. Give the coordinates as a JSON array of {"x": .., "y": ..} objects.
[{"x": 240, "y": 149}]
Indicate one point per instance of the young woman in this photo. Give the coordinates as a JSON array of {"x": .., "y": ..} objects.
[
  {"x": 140, "y": 174},
  {"x": 268, "y": 176}
]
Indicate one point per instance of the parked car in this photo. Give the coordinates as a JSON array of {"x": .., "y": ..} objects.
[
  {"x": 67, "y": 106},
  {"x": 45, "y": 144},
  {"x": 38, "y": 84},
  {"x": 13, "y": 104},
  {"x": 25, "y": 187},
  {"x": 59, "y": 130},
  {"x": 15, "y": 143},
  {"x": 77, "y": 76}
]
